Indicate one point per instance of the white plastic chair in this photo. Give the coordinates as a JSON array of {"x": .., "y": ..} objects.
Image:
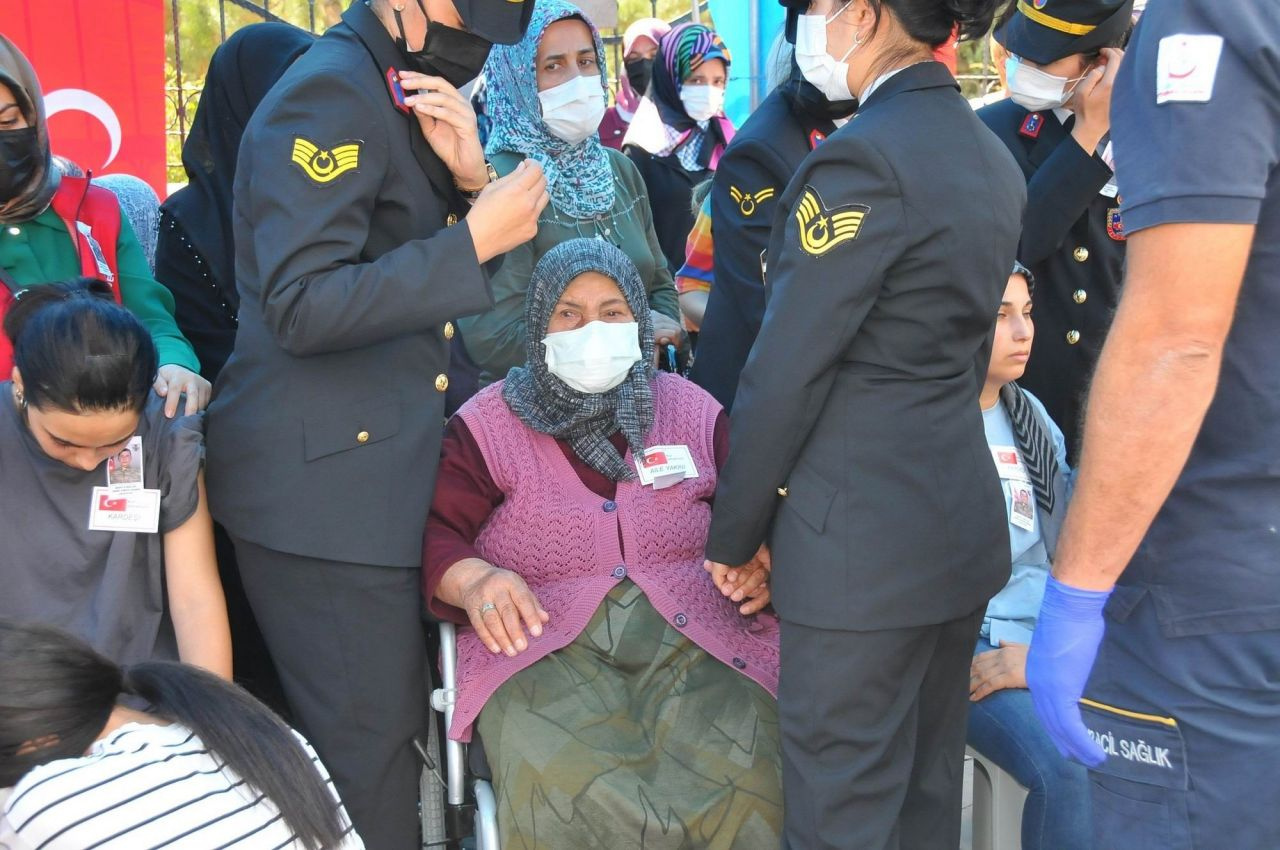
[{"x": 998, "y": 799}]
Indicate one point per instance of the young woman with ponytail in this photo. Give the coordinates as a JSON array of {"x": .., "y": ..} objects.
[
  {"x": 207, "y": 766},
  {"x": 129, "y": 567}
]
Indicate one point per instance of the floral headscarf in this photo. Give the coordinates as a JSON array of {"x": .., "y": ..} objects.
[
  {"x": 579, "y": 178},
  {"x": 661, "y": 125}
]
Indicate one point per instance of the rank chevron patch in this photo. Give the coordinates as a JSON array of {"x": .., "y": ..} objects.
[
  {"x": 822, "y": 229},
  {"x": 325, "y": 165},
  {"x": 749, "y": 202}
]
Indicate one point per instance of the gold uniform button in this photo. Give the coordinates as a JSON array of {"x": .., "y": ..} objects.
[
  {"x": 1080, "y": 296},
  {"x": 448, "y": 330},
  {"x": 1073, "y": 337},
  {"x": 362, "y": 437},
  {"x": 782, "y": 491},
  {"x": 1081, "y": 254},
  {"x": 442, "y": 383},
  {"x": 450, "y": 220}
]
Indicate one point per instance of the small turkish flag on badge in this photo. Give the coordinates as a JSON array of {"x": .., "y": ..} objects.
[
  {"x": 655, "y": 459},
  {"x": 106, "y": 503}
]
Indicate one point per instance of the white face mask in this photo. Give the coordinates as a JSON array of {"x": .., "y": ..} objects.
[
  {"x": 823, "y": 71},
  {"x": 702, "y": 102},
  {"x": 1033, "y": 89},
  {"x": 572, "y": 111},
  {"x": 594, "y": 358}
]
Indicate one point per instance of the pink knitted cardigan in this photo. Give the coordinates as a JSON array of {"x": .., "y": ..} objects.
[{"x": 572, "y": 547}]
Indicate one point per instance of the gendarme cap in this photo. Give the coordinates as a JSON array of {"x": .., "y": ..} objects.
[{"x": 1046, "y": 30}]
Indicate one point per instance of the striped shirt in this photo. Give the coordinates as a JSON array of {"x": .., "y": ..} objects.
[{"x": 147, "y": 786}]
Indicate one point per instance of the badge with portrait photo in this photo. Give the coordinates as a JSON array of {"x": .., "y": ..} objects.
[
  {"x": 1022, "y": 505},
  {"x": 124, "y": 470}
]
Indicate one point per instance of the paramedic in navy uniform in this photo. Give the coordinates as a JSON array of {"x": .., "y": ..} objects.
[
  {"x": 325, "y": 432},
  {"x": 857, "y": 423},
  {"x": 1178, "y": 496}
]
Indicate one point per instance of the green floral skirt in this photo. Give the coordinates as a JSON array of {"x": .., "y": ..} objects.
[{"x": 633, "y": 737}]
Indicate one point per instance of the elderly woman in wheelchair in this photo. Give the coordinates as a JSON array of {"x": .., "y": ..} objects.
[{"x": 624, "y": 696}]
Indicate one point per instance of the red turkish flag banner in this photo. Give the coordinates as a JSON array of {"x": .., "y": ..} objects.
[{"x": 101, "y": 65}]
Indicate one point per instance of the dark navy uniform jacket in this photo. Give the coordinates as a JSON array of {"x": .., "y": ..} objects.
[
  {"x": 1211, "y": 559},
  {"x": 1073, "y": 242},
  {"x": 857, "y": 437},
  {"x": 324, "y": 431},
  {"x": 755, "y": 168}
]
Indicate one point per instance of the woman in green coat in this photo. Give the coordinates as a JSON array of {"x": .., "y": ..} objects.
[{"x": 547, "y": 98}]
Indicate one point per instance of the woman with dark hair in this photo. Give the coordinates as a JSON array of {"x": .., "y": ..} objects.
[
  {"x": 1030, "y": 455},
  {"x": 55, "y": 226},
  {"x": 130, "y": 569},
  {"x": 858, "y": 446},
  {"x": 612, "y": 682},
  {"x": 679, "y": 130},
  {"x": 206, "y": 766},
  {"x": 195, "y": 249}
]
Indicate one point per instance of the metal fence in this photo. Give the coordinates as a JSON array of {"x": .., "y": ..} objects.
[{"x": 189, "y": 52}]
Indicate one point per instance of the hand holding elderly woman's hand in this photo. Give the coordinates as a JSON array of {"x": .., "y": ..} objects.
[
  {"x": 496, "y": 601},
  {"x": 749, "y": 582}
]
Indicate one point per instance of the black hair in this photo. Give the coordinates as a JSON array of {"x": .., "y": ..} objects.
[
  {"x": 78, "y": 350},
  {"x": 56, "y": 695},
  {"x": 933, "y": 21}
]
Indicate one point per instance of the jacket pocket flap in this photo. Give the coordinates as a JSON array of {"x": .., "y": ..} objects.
[
  {"x": 810, "y": 497},
  {"x": 351, "y": 426}
]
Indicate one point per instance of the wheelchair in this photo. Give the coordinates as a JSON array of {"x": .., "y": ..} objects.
[{"x": 458, "y": 806}]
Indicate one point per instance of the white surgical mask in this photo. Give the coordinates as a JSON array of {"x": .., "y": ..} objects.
[
  {"x": 1033, "y": 89},
  {"x": 594, "y": 358},
  {"x": 702, "y": 102},
  {"x": 823, "y": 71},
  {"x": 572, "y": 111}
]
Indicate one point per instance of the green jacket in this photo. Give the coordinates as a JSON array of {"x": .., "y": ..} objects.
[
  {"x": 41, "y": 251},
  {"x": 496, "y": 339}
]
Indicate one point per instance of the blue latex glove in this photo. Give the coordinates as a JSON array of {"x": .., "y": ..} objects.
[{"x": 1064, "y": 646}]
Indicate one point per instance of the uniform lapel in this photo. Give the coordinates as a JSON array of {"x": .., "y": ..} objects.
[
  {"x": 386, "y": 57},
  {"x": 1051, "y": 135}
]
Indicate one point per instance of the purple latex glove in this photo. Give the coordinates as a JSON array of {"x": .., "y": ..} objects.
[{"x": 1064, "y": 646}]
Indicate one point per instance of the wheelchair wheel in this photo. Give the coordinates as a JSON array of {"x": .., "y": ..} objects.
[{"x": 431, "y": 790}]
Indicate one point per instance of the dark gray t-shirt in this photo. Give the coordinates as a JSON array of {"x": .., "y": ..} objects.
[{"x": 107, "y": 587}]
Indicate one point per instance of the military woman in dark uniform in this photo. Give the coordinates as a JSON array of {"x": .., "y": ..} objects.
[
  {"x": 324, "y": 436},
  {"x": 858, "y": 445},
  {"x": 793, "y": 120}
]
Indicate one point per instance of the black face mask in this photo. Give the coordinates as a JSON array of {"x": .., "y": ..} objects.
[
  {"x": 456, "y": 55},
  {"x": 20, "y": 158},
  {"x": 639, "y": 74}
]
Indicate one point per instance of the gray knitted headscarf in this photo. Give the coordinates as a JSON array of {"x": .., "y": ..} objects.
[
  {"x": 16, "y": 73},
  {"x": 550, "y": 406}
]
